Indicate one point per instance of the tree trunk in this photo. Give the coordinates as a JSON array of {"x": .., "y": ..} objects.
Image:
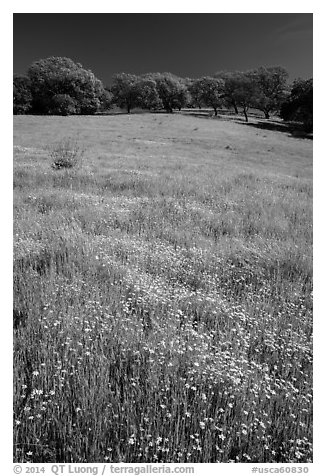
[
  {"x": 245, "y": 114},
  {"x": 128, "y": 108},
  {"x": 215, "y": 111},
  {"x": 235, "y": 108},
  {"x": 168, "y": 107},
  {"x": 266, "y": 114}
]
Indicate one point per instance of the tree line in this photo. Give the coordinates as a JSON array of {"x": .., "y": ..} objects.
[{"x": 59, "y": 86}]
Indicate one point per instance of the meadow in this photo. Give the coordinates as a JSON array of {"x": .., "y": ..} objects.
[{"x": 162, "y": 291}]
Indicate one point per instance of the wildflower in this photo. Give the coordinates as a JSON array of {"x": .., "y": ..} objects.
[
  {"x": 36, "y": 373},
  {"x": 202, "y": 425}
]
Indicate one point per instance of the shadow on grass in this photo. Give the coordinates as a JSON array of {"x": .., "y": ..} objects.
[
  {"x": 133, "y": 112},
  {"x": 208, "y": 115},
  {"x": 292, "y": 129}
]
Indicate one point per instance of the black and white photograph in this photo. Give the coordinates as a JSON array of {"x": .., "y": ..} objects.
[{"x": 163, "y": 239}]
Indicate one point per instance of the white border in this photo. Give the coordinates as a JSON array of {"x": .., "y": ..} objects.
[{"x": 168, "y": 6}]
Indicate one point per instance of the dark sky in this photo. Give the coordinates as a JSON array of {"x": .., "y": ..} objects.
[{"x": 185, "y": 44}]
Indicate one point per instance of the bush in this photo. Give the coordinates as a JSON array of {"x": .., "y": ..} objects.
[
  {"x": 66, "y": 154},
  {"x": 63, "y": 105},
  {"x": 89, "y": 106}
]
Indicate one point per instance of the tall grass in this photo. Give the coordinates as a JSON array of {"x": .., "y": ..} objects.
[{"x": 164, "y": 295}]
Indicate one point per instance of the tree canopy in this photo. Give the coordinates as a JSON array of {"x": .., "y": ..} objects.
[
  {"x": 242, "y": 90},
  {"x": 299, "y": 105},
  {"x": 131, "y": 91},
  {"x": 271, "y": 88},
  {"x": 124, "y": 90},
  {"x": 171, "y": 89},
  {"x": 208, "y": 91},
  {"x": 58, "y": 85},
  {"x": 22, "y": 95},
  {"x": 146, "y": 93},
  {"x": 57, "y": 80},
  {"x": 230, "y": 86}
]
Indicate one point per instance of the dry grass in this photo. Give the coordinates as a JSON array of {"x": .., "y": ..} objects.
[{"x": 162, "y": 292}]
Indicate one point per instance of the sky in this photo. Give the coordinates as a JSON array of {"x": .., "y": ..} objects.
[{"x": 186, "y": 44}]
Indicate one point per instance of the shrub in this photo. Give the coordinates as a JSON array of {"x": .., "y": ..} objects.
[
  {"x": 63, "y": 105},
  {"x": 66, "y": 154},
  {"x": 89, "y": 105}
]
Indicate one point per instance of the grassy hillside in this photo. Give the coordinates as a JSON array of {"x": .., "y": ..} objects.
[{"x": 162, "y": 292}]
